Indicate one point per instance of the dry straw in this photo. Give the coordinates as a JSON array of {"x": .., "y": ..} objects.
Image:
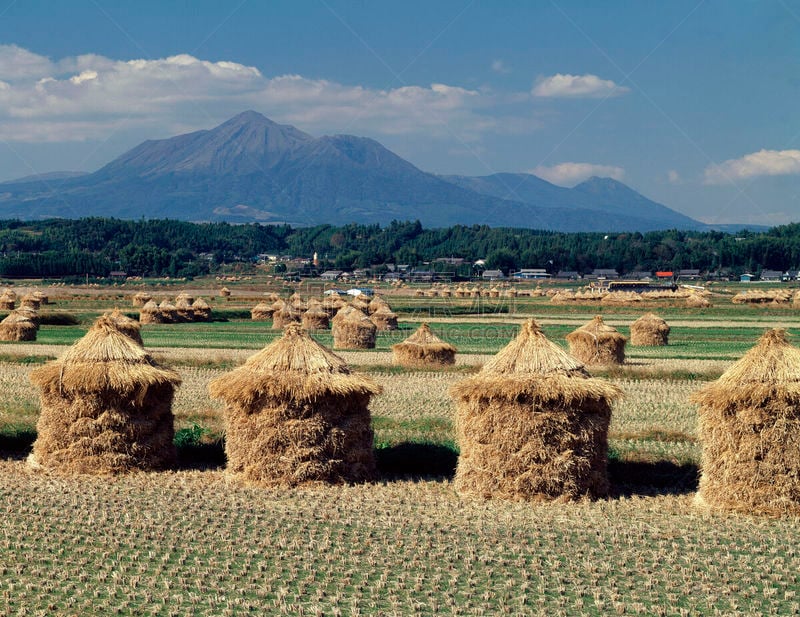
[
  {"x": 332, "y": 303},
  {"x": 295, "y": 414},
  {"x": 201, "y": 310},
  {"x": 106, "y": 407},
  {"x": 30, "y": 313},
  {"x": 352, "y": 329},
  {"x": 533, "y": 425},
  {"x": 17, "y": 327},
  {"x": 225, "y": 292},
  {"x": 749, "y": 427},
  {"x": 361, "y": 303},
  {"x": 169, "y": 312},
  {"x": 129, "y": 327},
  {"x": 8, "y": 300},
  {"x": 597, "y": 343},
  {"x": 377, "y": 303},
  {"x": 695, "y": 300},
  {"x": 150, "y": 313},
  {"x": 261, "y": 312},
  {"x": 285, "y": 316},
  {"x": 30, "y": 301},
  {"x": 183, "y": 309},
  {"x": 184, "y": 297},
  {"x": 315, "y": 318},
  {"x": 423, "y": 349},
  {"x": 141, "y": 298},
  {"x": 42, "y": 297},
  {"x": 384, "y": 319},
  {"x": 649, "y": 330}
]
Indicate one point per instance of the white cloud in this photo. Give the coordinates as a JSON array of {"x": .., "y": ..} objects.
[
  {"x": 576, "y": 86},
  {"x": 89, "y": 96},
  {"x": 570, "y": 174},
  {"x": 19, "y": 63},
  {"x": 498, "y": 66},
  {"x": 761, "y": 163},
  {"x": 673, "y": 176}
]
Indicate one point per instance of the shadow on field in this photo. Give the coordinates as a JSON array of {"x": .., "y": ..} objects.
[
  {"x": 16, "y": 446},
  {"x": 417, "y": 460},
  {"x": 201, "y": 456},
  {"x": 630, "y": 478}
]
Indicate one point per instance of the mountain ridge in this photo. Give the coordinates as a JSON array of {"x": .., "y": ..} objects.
[{"x": 251, "y": 169}]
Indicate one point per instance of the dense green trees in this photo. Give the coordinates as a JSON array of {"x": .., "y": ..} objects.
[{"x": 96, "y": 246}]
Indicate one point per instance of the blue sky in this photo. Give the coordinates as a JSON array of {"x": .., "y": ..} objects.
[{"x": 692, "y": 103}]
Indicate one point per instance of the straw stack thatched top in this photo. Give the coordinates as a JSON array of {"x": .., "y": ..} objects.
[
  {"x": 599, "y": 328},
  {"x": 15, "y": 317},
  {"x": 201, "y": 305},
  {"x": 534, "y": 367},
  {"x": 125, "y": 324},
  {"x": 770, "y": 371},
  {"x": 294, "y": 366},
  {"x": 104, "y": 359},
  {"x": 425, "y": 336},
  {"x": 9, "y": 293},
  {"x": 652, "y": 321},
  {"x": 262, "y": 307}
]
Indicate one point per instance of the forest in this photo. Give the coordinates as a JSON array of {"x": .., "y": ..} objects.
[{"x": 63, "y": 248}]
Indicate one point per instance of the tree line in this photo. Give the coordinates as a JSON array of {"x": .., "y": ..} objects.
[{"x": 99, "y": 246}]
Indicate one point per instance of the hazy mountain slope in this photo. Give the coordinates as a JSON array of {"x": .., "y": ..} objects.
[{"x": 252, "y": 169}]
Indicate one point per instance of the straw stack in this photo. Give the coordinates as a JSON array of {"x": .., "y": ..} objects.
[
  {"x": 129, "y": 327},
  {"x": 201, "y": 310},
  {"x": 150, "y": 313},
  {"x": 30, "y": 301},
  {"x": 261, "y": 312},
  {"x": 106, "y": 407},
  {"x": 18, "y": 327},
  {"x": 332, "y": 303},
  {"x": 361, "y": 303},
  {"x": 696, "y": 300},
  {"x": 352, "y": 329},
  {"x": 423, "y": 349},
  {"x": 225, "y": 292},
  {"x": 183, "y": 309},
  {"x": 749, "y": 427},
  {"x": 384, "y": 319},
  {"x": 649, "y": 331},
  {"x": 285, "y": 316},
  {"x": 597, "y": 343},
  {"x": 141, "y": 298},
  {"x": 377, "y": 303},
  {"x": 8, "y": 300},
  {"x": 315, "y": 318},
  {"x": 533, "y": 425},
  {"x": 295, "y": 414},
  {"x": 169, "y": 312}
]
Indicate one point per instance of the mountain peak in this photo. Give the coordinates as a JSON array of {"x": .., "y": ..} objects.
[{"x": 596, "y": 183}]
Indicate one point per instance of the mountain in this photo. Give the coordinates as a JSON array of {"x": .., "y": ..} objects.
[
  {"x": 253, "y": 169},
  {"x": 48, "y": 177},
  {"x": 609, "y": 199}
]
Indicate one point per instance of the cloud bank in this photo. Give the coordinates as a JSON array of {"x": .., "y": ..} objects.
[
  {"x": 570, "y": 174},
  {"x": 761, "y": 163},
  {"x": 576, "y": 86},
  {"x": 85, "y": 97}
]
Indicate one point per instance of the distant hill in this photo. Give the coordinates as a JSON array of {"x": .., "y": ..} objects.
[
  {"x": 607, "y": 198},
  {"x": 49, "y": 176},
  {"x": 253, "y": 169}
]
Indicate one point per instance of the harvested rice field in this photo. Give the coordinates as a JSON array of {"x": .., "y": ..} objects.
[{"x": 191, "y": 541}]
